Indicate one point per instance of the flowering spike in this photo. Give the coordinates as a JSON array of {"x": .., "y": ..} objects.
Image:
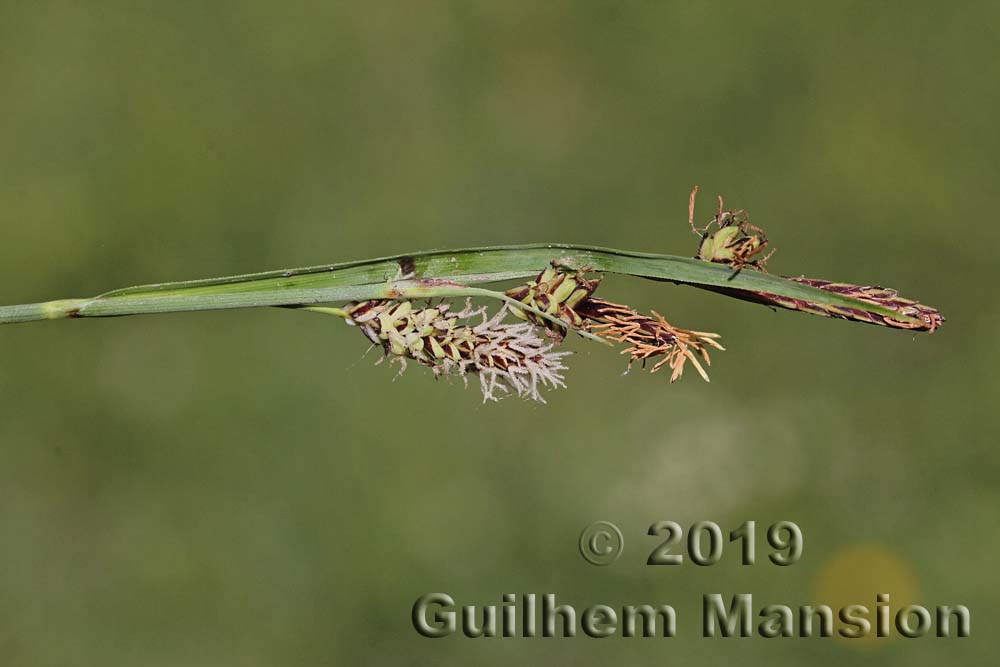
[
  {"x": 557, "y": 291},
  {"x": 508, "y": 358},
  {"x": 926, "y": 318},
  {"x": 650, "y": 337}
]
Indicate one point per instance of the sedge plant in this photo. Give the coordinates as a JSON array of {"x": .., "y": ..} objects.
[{"x": 417, "y": 307}]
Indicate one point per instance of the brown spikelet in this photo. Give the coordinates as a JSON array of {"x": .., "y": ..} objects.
[
  {"x": 650, "y": 337},
  {"x": 928, "y": 318}
]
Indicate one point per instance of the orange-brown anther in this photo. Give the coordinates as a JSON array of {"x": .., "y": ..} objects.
[{"x": 650, "y": 337}]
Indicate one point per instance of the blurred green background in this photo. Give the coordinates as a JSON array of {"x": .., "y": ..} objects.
[{"x": 242, "y": 488}]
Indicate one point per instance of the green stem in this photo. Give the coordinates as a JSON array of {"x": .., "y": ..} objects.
[
  {"x": 49, "y": 310},
  {"x": 432, "y": 273}
]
